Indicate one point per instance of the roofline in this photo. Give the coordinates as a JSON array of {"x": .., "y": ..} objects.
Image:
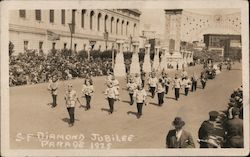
[{"x": 223, "y": 34}]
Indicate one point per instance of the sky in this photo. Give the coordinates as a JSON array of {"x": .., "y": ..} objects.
[{"x": 153, "y": 19}]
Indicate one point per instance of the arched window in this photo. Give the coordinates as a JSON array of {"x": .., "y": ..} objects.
[
  {"x": 127, "y": 28},
  {"x": 111, "y": 24},
  {"x": 117, "y": 22},
  {"x": 91, "y": 20},
  {"x": 122, "y": 27},
  {"x": 134, "y": 29},
  {"x": 83, "y": 14},
  {"x": 98, "y": 21},
  {"x": 105, "y": 23}
]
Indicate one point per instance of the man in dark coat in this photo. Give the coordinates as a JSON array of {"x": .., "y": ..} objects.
[
  {"x": 234, "y": 130},
  {"x": 211, "y": 134},
  {"x": 179, "y": 138}
]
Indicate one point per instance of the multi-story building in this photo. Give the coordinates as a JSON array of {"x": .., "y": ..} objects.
[
  {"x": 228, "y": 43},
  {"x": 29, "y": 28}
]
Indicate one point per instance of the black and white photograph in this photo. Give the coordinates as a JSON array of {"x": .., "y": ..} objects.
[{"x": 105, "y": 78}]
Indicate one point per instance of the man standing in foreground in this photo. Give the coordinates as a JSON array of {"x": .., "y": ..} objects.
[{"x": 179, "y": 138}]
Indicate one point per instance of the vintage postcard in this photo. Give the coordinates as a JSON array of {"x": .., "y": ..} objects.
[{"x": 124, "y": 78}]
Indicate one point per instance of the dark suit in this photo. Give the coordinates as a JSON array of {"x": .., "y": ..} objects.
[
  {"x": 208, "y": 129},
  {"x": 234, "y": 129},
  {"x": 185, "y": 141}
]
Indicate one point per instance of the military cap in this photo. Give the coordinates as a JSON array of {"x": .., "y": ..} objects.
[{"x": 213, "y": 114}]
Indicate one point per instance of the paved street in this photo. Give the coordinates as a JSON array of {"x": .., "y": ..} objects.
[{"x": 29, "y": 112}]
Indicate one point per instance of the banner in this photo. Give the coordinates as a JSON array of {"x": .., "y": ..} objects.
[{"x": 52, "y": 36}]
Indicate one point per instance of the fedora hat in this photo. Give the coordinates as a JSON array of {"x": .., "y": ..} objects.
[{"x": 178, "y": 122}]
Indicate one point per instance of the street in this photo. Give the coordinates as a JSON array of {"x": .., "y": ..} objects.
[{"x": 30, "y": 113}]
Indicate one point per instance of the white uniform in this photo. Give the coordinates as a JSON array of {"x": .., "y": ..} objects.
[
  {"x": 140, "y": 96},
  {"x": 112, "y": 92},
  {"x": 71, "y": 98},
  {"x": 152, "y": 81},
  {"x": 88, "y": 90}
]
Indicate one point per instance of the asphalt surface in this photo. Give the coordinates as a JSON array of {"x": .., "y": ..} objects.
[{"x": 30, "y": 113}]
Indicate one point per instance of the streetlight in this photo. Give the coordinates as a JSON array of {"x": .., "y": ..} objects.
[
  {"x": 71, "y": 28},
  {"x": 106, "y": 36}
]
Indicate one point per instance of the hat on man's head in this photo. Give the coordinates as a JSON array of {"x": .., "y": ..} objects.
[
  {"x": 213, "y": 114},
  {"x": 178, "y": 122}
]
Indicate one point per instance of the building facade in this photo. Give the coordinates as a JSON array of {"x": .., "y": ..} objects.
[
  {"x": 29, "y": 28},
  {"x": 230, "y": 44}
]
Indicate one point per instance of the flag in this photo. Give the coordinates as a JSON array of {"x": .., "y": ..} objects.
[{"x": 52, "y": 36}]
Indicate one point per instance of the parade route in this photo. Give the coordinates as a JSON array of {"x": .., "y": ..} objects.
[{"x": 32, "y": 118}]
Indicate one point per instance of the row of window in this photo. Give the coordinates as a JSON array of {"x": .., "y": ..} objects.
[{"x": 22, "y": 14}]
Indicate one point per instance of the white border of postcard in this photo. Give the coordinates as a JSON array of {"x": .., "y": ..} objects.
[{"x": 136, "y": 4}]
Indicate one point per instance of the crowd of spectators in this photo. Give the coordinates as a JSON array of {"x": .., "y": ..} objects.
[
  {"x": 33, "y": 68},
  {"x": 225, "y": 130}
]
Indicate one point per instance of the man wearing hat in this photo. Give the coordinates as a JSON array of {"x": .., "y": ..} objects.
[
  {"x": 71, "y": 99},
  {"x": 140, "y": 96},
  {"x": 176, "y": 86},
  {"x": 53, "y": 87},
  {"x": 210, "y": 133},
  {"x": 112, "y": 95},
  {"x": 152, "y": 81},
  {"x": 179, "y": 138},
  {"x": 234, "y": 130},
  {"x": 131, "y": 87}
]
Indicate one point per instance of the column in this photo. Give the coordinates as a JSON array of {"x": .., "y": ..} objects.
[
  {"x": 146, "y": 64},
  {"x": 119, "y": 67},
  {"x": 156, "y": 59},
  {"x": 172, "y": 35}
]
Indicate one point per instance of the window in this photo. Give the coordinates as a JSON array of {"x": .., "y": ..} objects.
[
  {"x": 117, "y": 22},
  {"x": 83, "y": 14},
  {"x": 73, "y": 16},
  {"x": 40, "y": 46},
  {"x": 111, "y": 24},
  {"x": 63, "y": 16},
  {"x": 134, "y": 30},
  {"x": 84, "y": 47},
  {"x": 98, "y": 21},
  {"x": 38, "y": 15},
  {"x": 51, "y": 16},
  {"x": 22, "y": 13},
  {"x": 105, "y": 23},
  {"x": 127, "y": 28},
  {"x": 53, "y": 45},
  {"x": 64, "y": 45},
  {"x": 91, "y": 20},
  {"x": 122, "y": 28},
  {"x": 25, "y": 45},
  {"x": 75, "y": 46},
  {"x": 100, "y": 47}
]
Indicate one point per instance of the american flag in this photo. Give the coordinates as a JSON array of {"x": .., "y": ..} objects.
[{"x": 52, "y": 36}]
